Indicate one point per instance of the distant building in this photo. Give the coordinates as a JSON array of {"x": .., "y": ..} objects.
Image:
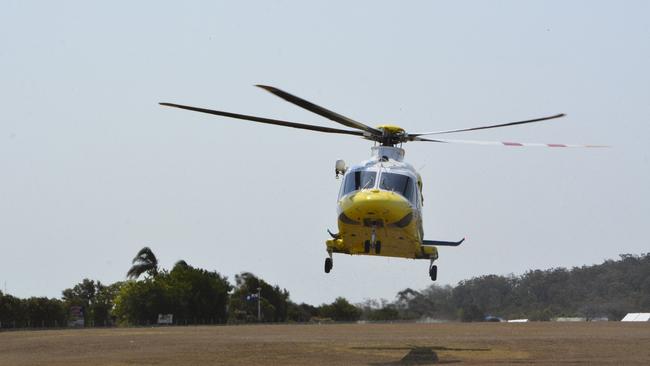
[
  {"x": 599, "y": 319},
  {"x": 428, "y": 320},
  {"x": 636, "y": 317},
  {"x": 492, "y": 318},
  {"x": 570, "y": 319}
]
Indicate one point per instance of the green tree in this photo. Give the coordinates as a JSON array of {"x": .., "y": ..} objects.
[
  {"x": 33, "y": 312},
  {"x": 243, "y": 302},
  {"x": 140, "y": 302},
  {"x": 12, "y": 312},
  {"x": 44, "y": 312},
  {"x": 104, "y": 302},
  {"x": 384, "y": 313},
  {"x": 96, "y": 299},
  {"x": 340, "y": 310},
  {"x": 378, "y": 310},
  {"x": 471, "y": 313},
  {"x": 81, "y": 294},
  {"x": 181, "y": 263},
  {"x": 192, "y": 295},
  {"x": 433, "y": 302},
  {"x": 143, "y": 262},
  {"x": 202, "y": 295},
  {"x": 301, "y": 313}
]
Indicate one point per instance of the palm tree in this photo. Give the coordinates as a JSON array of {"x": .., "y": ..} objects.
[{"x": 144, "y": 261}]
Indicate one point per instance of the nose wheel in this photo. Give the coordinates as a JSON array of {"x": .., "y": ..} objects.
[
  {"x": 367, "y": 246},
  {"x": 373, "y": 243},
  {"x": 329, "y": 263}
]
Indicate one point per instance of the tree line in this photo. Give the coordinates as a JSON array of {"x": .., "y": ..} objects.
[
  {"x": 193, "y": 295},
  {"x": 198, "y": 296},
  {"x": 611, "y": 289}
]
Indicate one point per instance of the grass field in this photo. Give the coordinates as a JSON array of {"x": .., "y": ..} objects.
[{"x": 335, "y": 344}]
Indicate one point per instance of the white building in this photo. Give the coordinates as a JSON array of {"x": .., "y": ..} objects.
[
  {"x": 570, "y": 319},
  {"x": 636, "y": 317}
]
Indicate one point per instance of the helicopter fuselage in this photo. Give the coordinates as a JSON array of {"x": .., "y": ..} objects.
[{"x": 380, "y": 209}]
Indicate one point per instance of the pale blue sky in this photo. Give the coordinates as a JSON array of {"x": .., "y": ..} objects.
[{"x": 92, "y": 169}]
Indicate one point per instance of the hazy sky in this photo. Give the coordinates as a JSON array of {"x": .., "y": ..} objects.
[{"x": 92, "y": 169}]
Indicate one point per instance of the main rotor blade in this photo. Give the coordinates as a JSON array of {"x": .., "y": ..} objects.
[
  {"x": 410, "y": 135},
  {"x": 320, "y": 110},
  {"x": 504, "y": 143},
  {"x": 265, "y": 120}
]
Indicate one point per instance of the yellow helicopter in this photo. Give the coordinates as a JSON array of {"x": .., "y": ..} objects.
[{"x": 380, "y": 200}]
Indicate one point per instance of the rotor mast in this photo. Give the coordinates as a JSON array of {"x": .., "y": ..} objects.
[{"x": 387, "y": 152}]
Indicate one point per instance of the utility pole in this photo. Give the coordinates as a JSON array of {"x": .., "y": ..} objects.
[{"x": 259, "y": 307}]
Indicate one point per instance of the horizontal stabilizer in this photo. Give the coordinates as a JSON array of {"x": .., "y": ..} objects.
[{"x": 443, "y": 243}]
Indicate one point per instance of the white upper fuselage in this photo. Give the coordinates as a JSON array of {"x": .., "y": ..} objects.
[{"x": 387, "y": 159}]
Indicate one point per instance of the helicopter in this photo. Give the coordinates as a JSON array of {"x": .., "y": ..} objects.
[{"x": 380, "y": 200}]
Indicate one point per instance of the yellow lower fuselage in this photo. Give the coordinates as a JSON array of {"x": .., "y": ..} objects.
[{"x": 383, "y": 217}]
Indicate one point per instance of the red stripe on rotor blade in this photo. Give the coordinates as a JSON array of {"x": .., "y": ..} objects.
[
  {"x": 556, "y": 145},
  {"x": 512, "y": 144}
]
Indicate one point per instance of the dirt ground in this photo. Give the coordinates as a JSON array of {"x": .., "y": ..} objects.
[{"x": 335, "y": 344}]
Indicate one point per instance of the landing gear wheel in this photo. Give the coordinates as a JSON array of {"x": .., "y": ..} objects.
[
  {"x": 378, "y": 247},
  {"x": 328, "y": 265},
  {"x": 433, "y": 272},
  {"x": 366, "y": 246}
]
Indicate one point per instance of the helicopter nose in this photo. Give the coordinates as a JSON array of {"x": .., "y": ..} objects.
[{"x": 375, "y": 207}]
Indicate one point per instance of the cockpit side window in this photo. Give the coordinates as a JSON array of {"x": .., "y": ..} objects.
[
  {"x": 355, "y": 181},
  {"x": 402, "y": 184}
]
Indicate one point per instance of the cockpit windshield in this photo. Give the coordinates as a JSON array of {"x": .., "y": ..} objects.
[
  {"x": 359, "y": 180},
  {"x": 402, "y": 184}
]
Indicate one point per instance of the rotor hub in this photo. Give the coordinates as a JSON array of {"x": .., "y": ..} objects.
[{"x": 391, "y": 135}]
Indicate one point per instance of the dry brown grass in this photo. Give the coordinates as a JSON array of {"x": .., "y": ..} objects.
[{"x": 334, "y": 344}]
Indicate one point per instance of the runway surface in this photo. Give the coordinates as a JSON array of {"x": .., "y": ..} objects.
[{"x": 600, "y": 343}]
